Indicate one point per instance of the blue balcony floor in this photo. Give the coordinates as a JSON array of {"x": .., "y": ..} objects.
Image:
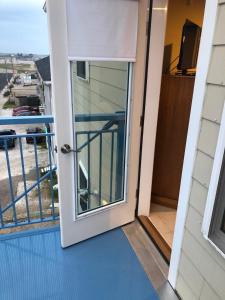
[{"x": 34, "y": 266}]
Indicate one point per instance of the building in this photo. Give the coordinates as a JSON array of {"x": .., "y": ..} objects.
[
  {"x": 25, "y": 95},
  {"x": 44, "y": 74}
]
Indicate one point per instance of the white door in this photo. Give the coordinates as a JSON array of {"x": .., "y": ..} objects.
[{"x": 97, "y": 111}]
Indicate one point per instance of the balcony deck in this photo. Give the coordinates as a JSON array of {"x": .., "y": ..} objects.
[{"x": 34, "y": 266}]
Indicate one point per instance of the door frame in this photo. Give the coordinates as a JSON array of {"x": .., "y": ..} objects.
[
  {"x": 153, "y": 82},
  {"x": 150, "y": 127}
]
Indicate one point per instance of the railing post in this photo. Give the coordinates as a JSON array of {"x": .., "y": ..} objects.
[
  {"x": 25, "y": 215},
  {"x": 119, "y": 178}
]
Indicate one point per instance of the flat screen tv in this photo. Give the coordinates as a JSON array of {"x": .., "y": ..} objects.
[{"x": 190, "y": 41}]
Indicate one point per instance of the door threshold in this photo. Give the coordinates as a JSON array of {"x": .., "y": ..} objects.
[
  {"x": 156, "y": 236},
  {"x": 151, "y": 259}
]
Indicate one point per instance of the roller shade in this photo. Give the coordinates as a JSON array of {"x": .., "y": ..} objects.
[{"x": 102, "y": 29}]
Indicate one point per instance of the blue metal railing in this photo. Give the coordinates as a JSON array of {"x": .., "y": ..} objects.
[
  {"x": 10, "y": 215},
  {"x": 26, "y": 120},
  {"x": 17, "y": 209},
  {"x": 116, "y": 128}
]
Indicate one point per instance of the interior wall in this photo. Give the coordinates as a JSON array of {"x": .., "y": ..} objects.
[{"x": 178, "y": 12}]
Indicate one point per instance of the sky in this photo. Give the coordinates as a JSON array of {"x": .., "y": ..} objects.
[{"x": 23, "y": 27}]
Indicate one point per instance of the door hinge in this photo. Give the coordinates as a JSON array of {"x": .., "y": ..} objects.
[{"x": 141, "y": 121}]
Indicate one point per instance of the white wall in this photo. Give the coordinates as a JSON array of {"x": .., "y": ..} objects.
[{"x": 178, "y": 12}]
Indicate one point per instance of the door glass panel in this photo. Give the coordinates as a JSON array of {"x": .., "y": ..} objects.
[{"x": 100, "y": 106}]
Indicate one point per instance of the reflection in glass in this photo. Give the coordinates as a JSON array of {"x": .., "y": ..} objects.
[{"x": 100, "y": 109}]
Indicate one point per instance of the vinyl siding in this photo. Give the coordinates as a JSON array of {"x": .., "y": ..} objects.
[
  {"x": 202, "y": 269},
  {"x": 106, "y": 90}
]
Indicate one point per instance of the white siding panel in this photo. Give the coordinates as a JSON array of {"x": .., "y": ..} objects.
[
  {"x": 208, "y": 137},
  {"x": 112, "y": 77},
  {"x": 198, "y": 197},
  {"x": 97, "y": 96},
  {"x": 110, "y": 65},
  {"x": 217, "y": 67},
  {"x": 184, "y": 290},
  {"x": 193, "y": 224},
  {"x": 206, "y": 265},
  {"x": 190, "y": 273},
  {"x": 219, "y": 33},
  {"x": 213, "y": 103},
  {"x": 208, "y": 293},
  {"x": 203, "y": 168}
]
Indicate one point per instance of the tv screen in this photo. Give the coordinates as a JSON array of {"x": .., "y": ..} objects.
[{"x": 190, "y": 41}]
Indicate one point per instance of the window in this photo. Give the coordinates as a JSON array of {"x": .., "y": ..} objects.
[
  {"x": 102, "y": 152},
  {"x": 217, "y": 226},
  {"x": 83, "y": 70}
]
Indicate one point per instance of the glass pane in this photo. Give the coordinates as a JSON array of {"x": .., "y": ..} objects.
[{"x": 100, "y": 103}]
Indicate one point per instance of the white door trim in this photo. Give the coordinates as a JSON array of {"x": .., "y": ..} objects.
[
  {"x": 193, "y": 133},
  {"x": 151, "y": 113},
  {"x": 156, "y": 51}
]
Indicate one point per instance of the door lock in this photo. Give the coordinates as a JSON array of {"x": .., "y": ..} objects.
[{"x": 66, "y": 149}]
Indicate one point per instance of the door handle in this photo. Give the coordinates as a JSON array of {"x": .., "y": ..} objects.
[{"x": 66, "y": 149}]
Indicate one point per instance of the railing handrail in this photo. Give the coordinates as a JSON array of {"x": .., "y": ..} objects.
[
  {"x": 99, "y": 131},
  {"x": 46, "y": 119},
  {"x": 26, "y": 135},
  {"x": 118, "y": 116},
  {"x": 49, "y": 119}
]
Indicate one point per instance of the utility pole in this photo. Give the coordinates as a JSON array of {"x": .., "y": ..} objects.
[
  {"x": 12, "y": 63},
  {"x": 6, "y": 70}
]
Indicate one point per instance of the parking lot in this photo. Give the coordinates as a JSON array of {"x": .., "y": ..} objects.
[{"x": 15, "y": 159}]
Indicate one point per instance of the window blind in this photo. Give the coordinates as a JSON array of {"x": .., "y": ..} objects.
[{"x": 102, "y": 29}]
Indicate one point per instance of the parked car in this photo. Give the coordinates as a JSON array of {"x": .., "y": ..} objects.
[
  {"x": 11, "y": 142},
  {"x": 18, "y": 108},
  {"x": 6, "y": 93},
  {"x": 39, "y": 139},
  {"x": 22, "y": 109},
  {"x": 27, "y": 113}
]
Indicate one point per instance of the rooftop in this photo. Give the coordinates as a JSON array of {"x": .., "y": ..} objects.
[
  {"x": 43, "y": 67},
  {"x": 3, "y": 79},
  {"x": 25, "y": 91}
]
